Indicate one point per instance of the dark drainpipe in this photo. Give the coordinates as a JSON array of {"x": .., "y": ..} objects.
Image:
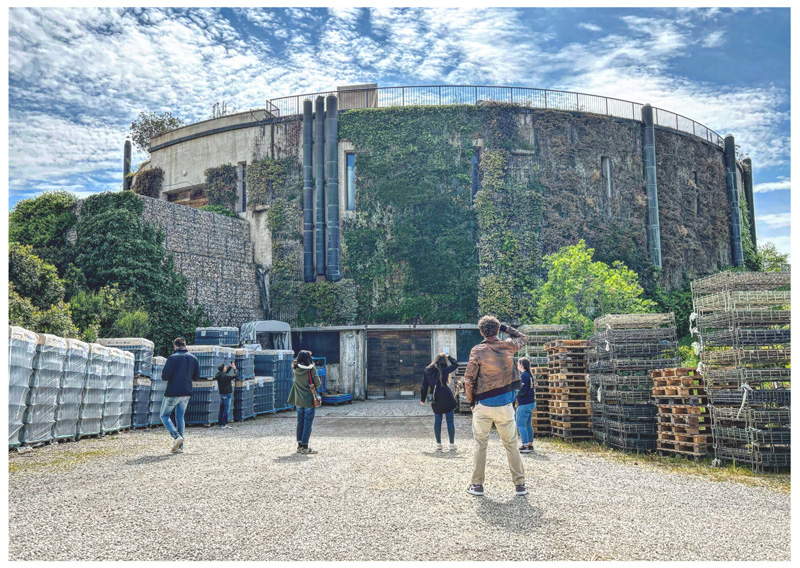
[
  {"x": 747, "y": 182},
  {"x": 332, "y": 186},
  {"x": 308, "y": 197},
  {"x": 651, "y": 187},
  {"x": 319, "y": 182},
  {"x": 126, "y": 165},
  {"x": 737, "y": 257}
]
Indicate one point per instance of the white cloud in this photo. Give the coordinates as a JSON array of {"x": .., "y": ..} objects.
[
  {"x": 775, "y": 220},
  {"x": 714, "y": 39},
  {"x": 780, "y": 185},
  {"x": 590, "y": 27}
]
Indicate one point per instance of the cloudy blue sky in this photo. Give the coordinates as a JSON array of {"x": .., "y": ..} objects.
[{"x": 78, "y": 77}]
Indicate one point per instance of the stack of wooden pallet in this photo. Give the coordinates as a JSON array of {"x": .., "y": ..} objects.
[
  {"x": 570, "y": 413},
  {"x": 541, "y": 414},
  {"x": 684, "y": 422}
]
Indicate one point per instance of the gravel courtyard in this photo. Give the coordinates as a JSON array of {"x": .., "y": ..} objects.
[{"x": 376, "y": 491}]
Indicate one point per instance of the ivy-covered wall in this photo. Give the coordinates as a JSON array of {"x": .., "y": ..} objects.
[{"x": 420, "y": 249}]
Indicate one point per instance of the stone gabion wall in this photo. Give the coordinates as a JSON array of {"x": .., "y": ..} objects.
[{"x": 216, "y": 254}]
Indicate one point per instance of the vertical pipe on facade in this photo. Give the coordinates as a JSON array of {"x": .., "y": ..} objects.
[
  {"x": 308, "y": 197},
  {"x": 747, "y": 181},
  {"x": 332, "y": 186},
  {"x": 319, "y": 182},
  {"x": 737, "y": 257},
  {"x": 126, "y": 165},
  {"x": 653, "y": 227}
]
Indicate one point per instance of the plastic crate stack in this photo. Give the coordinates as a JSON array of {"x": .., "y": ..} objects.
[
  {"x": 570, "y": 417},
  {"x": 210, "y": 357},
  {"x": 244, "y": 399},
  {"x": 69, "y": 396},
  {"x": 744, "y": 341},
  {"x": 227, "y": 336},
  {"x": 245, "y": 363},
  {"x": 141, "y": 402},
  {"x": 142, "y": 350},
  {"x": 684, "y": 422},
  {"x": 93, "y": 398},
  {"x": 157, "y": 389},
  {"x": 44, "y": 387},
  {"x": 541, "y": 394},
  {"x": 126, "y": 413},
  {"x": 276, "y": 363},
  {"x": 204, "y": 404},
  {"x": 625, "y": 349},
  {"x": 538, "y": 336},
  {"x": 264, "y": 395},
  {"x": 21, "y": 351},
  {"x": 115, "y": 392}
]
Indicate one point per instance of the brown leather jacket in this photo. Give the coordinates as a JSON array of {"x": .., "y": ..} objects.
[{"x": 491, "y": 370}]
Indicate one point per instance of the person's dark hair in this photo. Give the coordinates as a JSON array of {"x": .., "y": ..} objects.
[
  {"x": 440, "y": 362},
  {"x": 179, "y": 343},
  {"x": 526, "y": 363},
  {"x": 221, "y": 367},
  {"x": 489, "y": 326},
  {"x": 303, "y": 358}
]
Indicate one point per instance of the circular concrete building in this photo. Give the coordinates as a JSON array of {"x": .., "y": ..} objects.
[{"x": 426, "y": 205}]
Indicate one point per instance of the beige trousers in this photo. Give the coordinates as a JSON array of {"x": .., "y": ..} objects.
[{"x": 503, "y": 418}]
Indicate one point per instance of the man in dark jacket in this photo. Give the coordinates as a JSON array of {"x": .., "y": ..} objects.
[
  {"x": 490, "y": 383},
  {"x": 179, "y": 371},
  {"x": 224, "y": 377}
]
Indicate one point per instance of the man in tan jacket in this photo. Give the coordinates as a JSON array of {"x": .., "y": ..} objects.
[{"x": 491, "y": 382}]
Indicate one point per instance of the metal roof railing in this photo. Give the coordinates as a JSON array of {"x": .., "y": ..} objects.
[{"x": 383, "y": 97}]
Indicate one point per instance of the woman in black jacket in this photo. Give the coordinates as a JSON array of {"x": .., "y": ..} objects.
[
  {"x": 526, "y": 403},
  {"x": 436, "y": 378}
]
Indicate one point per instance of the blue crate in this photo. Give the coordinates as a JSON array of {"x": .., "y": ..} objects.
[
  {"x": 142, "y": 350},
  {"x": 141, "y": 403},
  {"x": 203, "y": 404},
  {"x": 245, "y": 363},
  {"x": 209, "y": 357},
  {"x": 244, "y": 401},
  {"x": 264, "y": 395},
  {"x": 227, "y": 336}
]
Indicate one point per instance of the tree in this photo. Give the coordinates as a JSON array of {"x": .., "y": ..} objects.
[
  {"x": 148, "y": 125},
  {"x": 55, "y": 319},
  {"x": 33, "y": 278},
  {"x": 770, "y": 258},
  {"x": 43, "y": 222},
  {"x": 96, "y": 313},
  {"x": 578, "y": 290}
]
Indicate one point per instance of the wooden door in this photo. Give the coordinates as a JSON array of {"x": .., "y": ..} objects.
[{"x": 396, "y": 361}]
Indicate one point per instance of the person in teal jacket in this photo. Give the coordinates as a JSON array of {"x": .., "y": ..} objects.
[{"x": 305, "y": 372}]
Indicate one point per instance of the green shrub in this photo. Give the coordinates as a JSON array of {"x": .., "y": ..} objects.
[
  {"x": 132, "y": 324},
  {"x": 221, "y": 186},
  {"x": 43, "y": 222},
  {"x": 149, "y": 182},
  {"x": 55, "y": 319},
  {"x": 33, "y": 278},
  {"x": 219, "y": 210}
]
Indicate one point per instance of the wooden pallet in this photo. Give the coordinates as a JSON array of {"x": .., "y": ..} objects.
[
  {"x": 685, "y": 438},
  {"x": 677, "y": 382},
  {"x": 694, "y": 450},
  {"x": 679, "y": 391},
  {"x": 681, "y": 409},
  {"x": 675, "y": 372},
  {"x": 685, "y": 429}
]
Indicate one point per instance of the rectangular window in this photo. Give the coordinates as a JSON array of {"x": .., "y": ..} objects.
[
  {"x": 320, "y": 343},
  {"x": 351, "y": 181},
  {"x": 605, "y": 168}
]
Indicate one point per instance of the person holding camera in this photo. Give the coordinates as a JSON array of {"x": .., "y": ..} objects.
[
  {"x": 224, "y": 377},
  {"x": 490, "y": 385},
  {"x": 436, "y": 379}
]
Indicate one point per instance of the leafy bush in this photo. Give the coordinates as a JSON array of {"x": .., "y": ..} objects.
[
  {"x": 33, "y": 278},
  {"x": 578, "y": 290},
  {"x": 148, "y": 125},
  {"x": 43, "y": 222},
  {"x": 149, "y": 182},
  {"x": 221, "y": 186},
  {"x": 265, "y": 179},
  {"x": 219, "y": 209},
  {"x": 96, "y": 312},
  {"x": 55, "y": 319},
  {"x": 132, "y": 324}
]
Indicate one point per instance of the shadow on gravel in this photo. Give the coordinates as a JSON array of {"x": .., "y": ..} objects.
[
  {"x": 446, "y": 454},
  {"x": 516, "y": 514},
  {"x": 535, "y": 456},
  {"x": 144, "y": 460},
  {"x": 291, "y": 458}
]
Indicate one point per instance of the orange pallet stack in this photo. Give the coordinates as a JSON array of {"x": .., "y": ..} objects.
[
  {"x": 684, "y": 421},
  {"x": 570, "y": 412}
]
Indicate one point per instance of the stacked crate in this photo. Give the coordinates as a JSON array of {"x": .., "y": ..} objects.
[
  {"x": 684, "y": 422},
  {"x": 43, "y": 391},
  {"x": 744, "y": 340},
  {"x": 244, "y": 399},
  {"x": 537, "y": 337},
  {"x": 157, "y": 389},
  {"x": 264, "y": 395},
  {"x": 245, "y": 363},
  {"x": 203, "y": 408},
  {"x": 541, "y": 392},
  {"x": 128, "y": 369},
  {"x": 115, "y": 392},
  {"x": 90, "y": 416},
  {"x": 140, "y": 348},
  {"x": 209, "y": 357},
  {"x": 227, "y": 336},
  {"x": 276, "y": 363},
  {"x": 69, "y": 396},
  {"x": 625, "y": 349},
  {"x": 21, "y": 352},
  {"x": 570, "y": 417},
  {"x": 141, "y": 402}
]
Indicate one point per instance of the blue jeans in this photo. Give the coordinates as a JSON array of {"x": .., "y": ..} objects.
[
  {"x": 437, "y": 427},
  {"x": 305, "y": 417},
  {"x": 224, "y": 408},
  {"x": 179, "y": 404},
  {"x": 524, "y": 413}
]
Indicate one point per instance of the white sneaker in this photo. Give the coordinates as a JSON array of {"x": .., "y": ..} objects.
[
  {"x": 453, "y": 447},
  {"x": 177, "y": 443},
  {"x": 229, "y": 427},
  {"x": 438, "y": 447}
]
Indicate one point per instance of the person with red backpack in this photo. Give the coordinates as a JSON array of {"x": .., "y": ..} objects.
[
  {"x": 436, "y": 378},
  {"x": 304, "y": 395}
]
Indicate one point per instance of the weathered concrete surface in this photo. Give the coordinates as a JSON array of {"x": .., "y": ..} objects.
[{"x": 376, "y": 491}]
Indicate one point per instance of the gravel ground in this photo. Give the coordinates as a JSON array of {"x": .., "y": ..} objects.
[{"x": 376, "y": 491}]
